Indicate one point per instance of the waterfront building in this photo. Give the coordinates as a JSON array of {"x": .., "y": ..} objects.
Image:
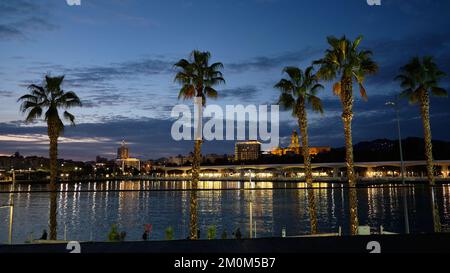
[
  {"x": 147, "y": 166},
  {"x": 319, "y": 149},
  {"x": 295, "y": 148},
  {"x": 216, "y": 158},
  {"x": 123, "y": 160},
  {"x": 247, "y": 150},
  {"x": 179, "y": 160}
]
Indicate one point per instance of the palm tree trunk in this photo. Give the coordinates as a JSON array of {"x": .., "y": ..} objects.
[
  {"x": 53, "y": 153},
  {"x": 347, "y": 116},
  {"x": 303, "y": 124},
  {"x": 194, "y": 187},
  {"x": 425, "y": 112}
]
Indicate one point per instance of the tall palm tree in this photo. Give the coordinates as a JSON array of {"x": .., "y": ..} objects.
[
  {"x": 197, "y": 79},
  {"x": 50, "y": 97},
  {"x": 296, "y": 92},
  {"x": 344, "y": 62},
  {"x": 420, "y": 78}
]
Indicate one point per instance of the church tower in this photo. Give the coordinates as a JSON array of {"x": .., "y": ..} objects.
[
  {"x": 122, "y": 152},
  {"x": 295, "y": 146}
]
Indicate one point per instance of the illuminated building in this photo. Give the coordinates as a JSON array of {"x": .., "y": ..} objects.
[
  {"x": 124, "y": 160},
  {"x": 147, "y": 166},
  {"x": 122, "y": 151},
  {"x": 247, "y": 150},
  {"x": 295, "y": 148},
  {"x": 318, "y": 150}
]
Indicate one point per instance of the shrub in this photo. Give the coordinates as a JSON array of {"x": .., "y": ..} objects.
[
  {"x": 212, "y": 231},
  {"x": 113, "y": 235},
  {"x": 169, "y": 233}
]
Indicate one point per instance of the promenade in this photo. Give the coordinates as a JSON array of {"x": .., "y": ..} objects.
[{"x": 417, "y": 243}]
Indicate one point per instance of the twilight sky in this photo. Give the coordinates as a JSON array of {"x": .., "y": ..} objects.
[{"x": 118, "y": 56}]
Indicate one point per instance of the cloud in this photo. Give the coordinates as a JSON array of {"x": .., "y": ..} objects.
[
  {"x": 19, "y": 18},
  {"x": 263, "y": 63},
  {"x": 42, "y": 139},
  {"x": 10, "y": 8},
  {"x": 4, "y": 93},
  {"x": 244, "y": 93},
  {"x": 391, "y": 54},
  {"x": 120, "y": 70},
  {"x": 9, "y": 32},
  {"x": 151, "y": 138},
  {"x": 96, "y": 74}
]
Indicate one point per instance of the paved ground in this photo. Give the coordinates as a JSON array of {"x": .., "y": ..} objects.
[{"x": 420, "y": 243}]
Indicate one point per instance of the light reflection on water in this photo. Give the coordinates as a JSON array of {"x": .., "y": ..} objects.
[{"x": 87, "y": 211}]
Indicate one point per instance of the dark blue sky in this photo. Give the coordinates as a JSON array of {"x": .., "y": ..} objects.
[{"x": 118, "y": 56}]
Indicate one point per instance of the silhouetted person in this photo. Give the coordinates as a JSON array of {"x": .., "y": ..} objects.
[
  {"x": 44, "y": 235},
  {"x": 123, "y": 234},
  {"x": 145, "y": 236},
  {"x": 238, "y": 234},
  {"x": 198, "y": 233}
]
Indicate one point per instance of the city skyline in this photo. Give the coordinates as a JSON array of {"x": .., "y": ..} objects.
[{"x": 124, "y": 75}]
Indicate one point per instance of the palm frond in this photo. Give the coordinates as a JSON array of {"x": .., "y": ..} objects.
[
  {"x": 29, "y": 97},
  {"x": 183, "y": 63},
  {"x": 439, "y": 92},
  {"x": 420, "y": 75},
  {"x": 294, "y": 73},
  {"x": 316, "y": 88},
  {"x": 27, "y": 105},
  {"x": 37, "y": 91},
  {"x": 337, "y": 88},
  {"x": 68, "y": 116},
  {"x": 34, "y": 114},
  {"x": 68, "y": 100},
  {"x": 316, "y": 104},
  {"x": 216, "y": 66},
  {"x": 412, "y": 96},
  {"x": 343, "y": 59},
  {"x": 286, "y": 101},
  {"x": 362, "y": 91},
  {"x": 210, "y": 92},
  {"x": 197, "y": 77},
  {"x": 186, "y": 92},
  {"x": 53, "y": 84},
  {"x": 285, "y": 85},
  {"x": 356, "y": 42},
  {"x": 48, "y": 98},
  {"x": 301, "y": 87}
]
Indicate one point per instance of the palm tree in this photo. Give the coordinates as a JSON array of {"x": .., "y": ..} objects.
[
  {"x": 296, "y": 92},
  {"x": 197, "y": 79},
  {"x": 50, "y": 98},
  {"x": 346, "y": 63},
  {"x": 420, "y": 78}
]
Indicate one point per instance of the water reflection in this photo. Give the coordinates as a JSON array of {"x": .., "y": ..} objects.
[
  {"x": 53, "y": 225},
  {"x": 87, "y": 211}
]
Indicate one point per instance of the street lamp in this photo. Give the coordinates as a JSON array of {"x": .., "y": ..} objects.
[
  {"x": 402, "y": 164},
  {"x": 395, "y": 105}
]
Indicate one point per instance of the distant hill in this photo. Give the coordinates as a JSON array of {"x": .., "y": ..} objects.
[{"x": 388, "y": 150}]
